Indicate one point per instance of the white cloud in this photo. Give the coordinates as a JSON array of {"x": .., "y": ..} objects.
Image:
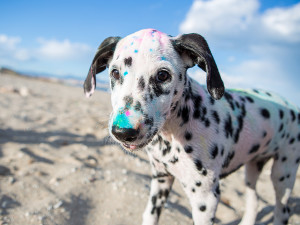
[
  {"x": 220, "y": 17},
  {"x": 62, "y": 50},
  {"x": 253, "y": 48},
  {"x": 283, "y": 22},
  {"x": 10, "y": 49}
]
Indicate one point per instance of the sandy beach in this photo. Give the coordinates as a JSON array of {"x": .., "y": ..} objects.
[{"x": 58, "y": 165}]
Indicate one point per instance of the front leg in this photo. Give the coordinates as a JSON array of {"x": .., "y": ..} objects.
[
  {"x": 161, "y": 185},
  {"x": 204, "y": 202},
  {"x": 201, "y": 186}
]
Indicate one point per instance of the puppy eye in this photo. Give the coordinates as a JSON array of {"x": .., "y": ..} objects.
[
  {"x": 162, "y": 76},
  {"x": 115, "y": 74}
]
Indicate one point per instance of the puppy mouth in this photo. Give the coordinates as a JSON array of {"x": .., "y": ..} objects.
[
  {"x": 135, "y": 147},
  {"x": 132, "y": 147}
]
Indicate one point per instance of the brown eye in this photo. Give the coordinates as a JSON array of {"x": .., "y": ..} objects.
[
  {"x": 115, "y": 74},
  {"x": 162, "y": 76}
]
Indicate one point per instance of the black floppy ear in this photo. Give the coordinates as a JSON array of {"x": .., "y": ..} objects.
[
  {"x": 195, "y": 46},
  {"x": 103, "y": 54}
]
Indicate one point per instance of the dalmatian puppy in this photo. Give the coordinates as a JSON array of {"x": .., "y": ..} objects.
[{"x": 195, "y": 135}]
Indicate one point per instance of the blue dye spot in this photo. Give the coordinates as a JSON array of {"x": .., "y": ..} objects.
[
  {"x": 163, "y": 58},
  {"x": 121, "y": 120},
  {"x": 136, "y": 51},
  {"x": 151, "y": 50},
  {"x": 125, "y": 73},
  {"x": 131, "y": 43},
  {"x": 153, "y": 40}
]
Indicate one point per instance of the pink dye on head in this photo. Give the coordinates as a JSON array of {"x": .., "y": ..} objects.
[
  {"x": 127, "y": 113},
  {"x": 135, "y": 40}
]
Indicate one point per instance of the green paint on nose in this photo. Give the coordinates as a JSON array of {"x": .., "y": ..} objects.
[{"x": 122, "y": 120}]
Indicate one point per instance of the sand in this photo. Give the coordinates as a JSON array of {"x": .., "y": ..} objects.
[{"x": 59, "y": 166}]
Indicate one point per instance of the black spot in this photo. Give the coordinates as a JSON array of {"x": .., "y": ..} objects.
[
  {"x": 293, "y": 115},
  {"x": 276, "y": 156},
  {"x": 128, "y": 100},
  {"x": 206, "y": 123},
  {"x": 175, "y": 92},
  {"x": 193, "y": 189},
  {"x": 185, "y": 113},
  {"x": 202, "y": 208},
  {"x": 138, "y": 106},
  {"x": 299, "y": 137},
  {"x": 229, "y": 99},
  {"x": 149, "y": 121},
  {"x": 265, "y": 113},
  {"x": 298, "y": 160},
  {"x": 196, "y": 114},
  {"x": 288, "y": 176},
  {"x": 292, "y": 141},
  {"x": 174, "y": 160},
  {"x": 167, "y": 148},
  {"x": 128, "y": 61},
  {"x": 228, "y": 159},
  {"x": 197, "y": 101},
  {"x": 228, "y": 127},
  {"x": 269, "y": 94},
  {"x": 188, "y": 136},
  {"x": 216, "y": 116},
  {"x": 188, "y": 149},
  {"x": 198, "y": 164},
  {"x": 254, "y": 148},
  {"x": 249, "y": 99},
  {"x": 198, "y": 183},
  {"x": 112, "y": 84},
  {"x": 281, "y": 113},
  {"x": 280, "y": 128},
  {"x": 141, "y": 83},
  {"x": 264, "y": 134},
  {"x": 153, "y": 200},
  {"x": 214, "y": 151},
  {"x": 239, "y": 129},
  {"x": 151, "y": 97},
  {"x": 161, "y": 181},
  {"x": 281, "y": 179},
  {"x": 222, "y": 151},
  {"x": 285, "y": 221},
  {"x": 166, "y": 193},
  {"x": 180, "y": 77},
  {"x": 157, "y": 87},
  {"x": 268, "y": 142},
  {"x": 256, "y": 91}
]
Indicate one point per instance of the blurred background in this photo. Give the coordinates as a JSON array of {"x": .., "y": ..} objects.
[{"x": 255, "y": 43}]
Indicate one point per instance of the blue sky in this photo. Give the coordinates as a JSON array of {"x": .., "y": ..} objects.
[{"x": 255, "y": 43}]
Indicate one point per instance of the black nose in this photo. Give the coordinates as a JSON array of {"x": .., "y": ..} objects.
[{"x": 125, "y": 134}]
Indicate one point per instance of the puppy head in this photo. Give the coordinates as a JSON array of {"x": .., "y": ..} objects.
[{"x": 146, "y": 76}]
